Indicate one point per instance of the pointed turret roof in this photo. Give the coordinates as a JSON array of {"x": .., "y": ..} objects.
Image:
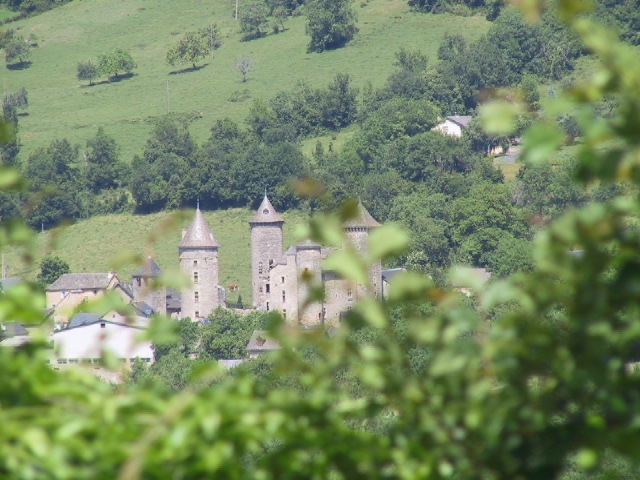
[
  {"x": 266, "y": 213},
  {"x": 149, "y": 269},
  {"x": 198, "y": 234},
  {"x": 363, "y": 219}
]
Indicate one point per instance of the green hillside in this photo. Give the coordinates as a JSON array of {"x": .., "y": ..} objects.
[
  {"x": 60, "y": 106},
  {"x": 108, "y": 242}
]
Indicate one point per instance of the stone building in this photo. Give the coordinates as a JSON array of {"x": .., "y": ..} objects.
[
  {"x": 282, "y": 281},
  {"x": 198, "y": 252},
  {"x": 144, "y": 289}
]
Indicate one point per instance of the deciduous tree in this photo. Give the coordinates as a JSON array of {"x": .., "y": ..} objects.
[
  {"x": 330, "y": 24},
  {"x": 114, "y": 63},
  {"x": 193, "y": 46},
  {"x": 87, "y": 70},
  {"x": 245, "y": 65},
  {"x": 51, "y": 267},
  {"x": 17, "y": 51}
]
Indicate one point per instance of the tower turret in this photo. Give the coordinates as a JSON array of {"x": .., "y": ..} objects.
[
  {"x": 198, "y": 253},
  {"x": 357, "y": 230},
  {"x": 266, "y": 249}
]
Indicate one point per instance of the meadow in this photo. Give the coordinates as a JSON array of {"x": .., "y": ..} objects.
[
  {"x": 117, "y": 242},
  {"x": 60, "y": 106}
]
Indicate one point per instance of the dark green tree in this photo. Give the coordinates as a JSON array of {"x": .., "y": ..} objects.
[
  {"x": 87, "y": 70},
  {"x": 51, "y": 267},
  {"x": 330, "y": 23},
  {"x": 253, "y": 19},
  {"x": 104, "y": 169},
  {"x": 17, "y": 51}
]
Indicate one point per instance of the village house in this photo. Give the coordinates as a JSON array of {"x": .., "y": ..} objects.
[{"x": 453, "y": 125}]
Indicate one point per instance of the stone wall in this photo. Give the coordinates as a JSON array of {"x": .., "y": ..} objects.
[
  {"x": 202, "y": 296},
  {"x": 266, "y": 250}
]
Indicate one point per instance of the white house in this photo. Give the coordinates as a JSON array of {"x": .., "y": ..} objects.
[
  {"x": 453, "y": 125},
  {"x": 89, "y": 334}
]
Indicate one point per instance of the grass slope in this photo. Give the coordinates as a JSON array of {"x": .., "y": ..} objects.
[
  {"x": 100, "y": 244},
  {"x": 61, "y": 107}
]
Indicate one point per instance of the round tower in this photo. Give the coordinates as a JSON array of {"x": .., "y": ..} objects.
[
  {"x": 309, "y": 270},
  {"x": 357, "y": 230},
  {"x": 266, "y": 249},
  {"x": 198, "y": 253}
]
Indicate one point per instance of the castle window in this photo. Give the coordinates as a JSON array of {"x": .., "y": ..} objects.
[
  {"x": 284, "y": 314},
  {"x": 138, "y": 281},
  {"x": 282, "y": 278},
  {"x": 349, "y": 294},
  {"x": 196, "y": 297},
  {"x": 283, "y": 296},
  {"x": 102, "y": 325},
  {"x": 195, "y": 277},
  {"x": 195, "y": 263},
  {"x": 268, "y": 288},
  {"x": 196, "y": 314},
  {"x": 265, "y": 211},
  {"x": 260, "y": 268},
  {"x": 260, "y": 289},
  {"x": 267, "y": 306}
]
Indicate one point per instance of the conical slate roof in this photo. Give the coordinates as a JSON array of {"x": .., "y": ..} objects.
[
  {"x": 266, "y": 213},
  {"x": 198, "y": 234},
  {"x": 363, "y": 219},
  {"x": 149, "y": 269}
]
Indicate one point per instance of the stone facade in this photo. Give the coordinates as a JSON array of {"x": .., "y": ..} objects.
[
  {"x": 144, "y": 289},
  {"x": 198, "y": 252},
  {"x": 266, "y": 249},
  {"x": 282, "y": 282}
]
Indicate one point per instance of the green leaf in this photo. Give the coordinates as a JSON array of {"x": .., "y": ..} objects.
[
  {"x": 387, "y": 241},
  {"x": 540, "y": 142},
  {"x": 499, "y": 116},
  {"x": 348, "y": 265},
  {"x": 161, "y": 331}
]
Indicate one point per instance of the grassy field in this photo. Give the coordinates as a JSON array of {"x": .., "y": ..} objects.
[
  {"x": 104, "y": 243},
  {"x": 61, "y": 107}
]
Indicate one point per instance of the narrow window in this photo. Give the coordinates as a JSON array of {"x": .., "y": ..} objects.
[
  {"x": 283, "y": 296},
  {"x": 195, "y": 263},
  {"x": 102, "y": 325},
  {"x": 267, "y": 306},
  {"x": 195, "y": 277},
  {"x": 196, "y": 297},
  {"x": 349, "y": 294},
  {"x": 197, "y": 314},
  {"x": 260, "y": 268},
  {"x": 138, "y": 281},
  {"x": 282, "y": 279},
  {"x": 268, "y": 288},
  {"x": 284, "y": 314},
  {"x": 260, "y": 289}
]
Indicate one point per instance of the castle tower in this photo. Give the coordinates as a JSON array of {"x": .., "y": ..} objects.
[
  {"x": 357, "y": 231},
  {"x": 198, "y": 253},
  {"x": 266, "y": 249},
  {"x": 309, "y": 270},
  {"x": 144, "y": 291}
]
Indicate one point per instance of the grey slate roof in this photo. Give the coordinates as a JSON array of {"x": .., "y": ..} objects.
[
  {"x": 308, "y": 245},
  {"x": 389, "y": 273},
  {"x": 143, "y": 308},
  {"x": 267, "y": 345},
  {"x": 462, "y": 120},
  {"x": 82, "y": 319},
  {"x": 81, "y": 281},
  {"x": 198, "y": 234},
  {"x": 149, "y": 269},
  {"x": 13, "y": 329},
  {"x": 266, "y": 213},
  {"x": 174, "y": 300},
  {"x": 363, "y": 219}
]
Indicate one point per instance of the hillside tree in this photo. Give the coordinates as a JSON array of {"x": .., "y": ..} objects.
[
  {"x": 51, "y": 267},
  {"x": 87, "y": 70},
  {"x": 253, "y": 19},
  {"x": 245, "y": 65},
  {"x": 17, "y": 51},
  {"x": 113, "y": 63},
  {"x": 193, "y": 46},
  {"x": 330, "y": 24}
]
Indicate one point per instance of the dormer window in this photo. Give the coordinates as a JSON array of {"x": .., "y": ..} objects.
[{"x": 265, "y": 211}]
